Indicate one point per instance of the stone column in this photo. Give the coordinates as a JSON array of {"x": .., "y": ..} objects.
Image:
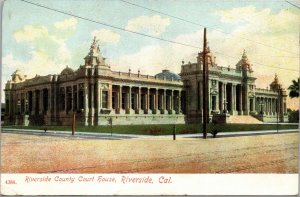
[
  {"x": 136, "y": 101},
  {"x": 100, "y": 100},
  {"x": 156, "y": 100},
  {"x": 274, "y": 106},
  {"x": 221, "y": 92},
  {"x": 109, "y": 104},
  {"x": 232, "y": 99},
  {"x": 86, "y": 102},
  {"x": 129, "y": 100},
  {"x": 254, "y": 104},
  {"x": 172, "y": 101},
  {"x": 217, "y": 98},
  {"x": 268, "y": 106},
  {"x": 148, "y": 100},
  {"x": 139, "y": 99},
  {"x": 165, "y": 101},
  {"x": 92, "y": 98},
  {"x": 246, "y": 100},
  {"x": 98, "y": 96},
  {"x": 120, "y": 98},
  {"x": 179, "y": 102},
  {"x": 272, "y": 110},
  {"x": 225, "y": 98}
]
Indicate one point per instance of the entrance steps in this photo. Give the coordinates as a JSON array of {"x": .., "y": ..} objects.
[{"x": 246, "y": 119}]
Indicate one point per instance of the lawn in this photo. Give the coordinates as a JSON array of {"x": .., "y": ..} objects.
[{"x": 163, "y": 129}]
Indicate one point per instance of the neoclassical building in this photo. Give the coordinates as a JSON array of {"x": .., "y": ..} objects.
[{"x": 99, "y": 95}]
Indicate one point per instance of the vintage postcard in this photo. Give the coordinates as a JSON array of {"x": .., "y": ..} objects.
[{"x": 150, "y": 97}]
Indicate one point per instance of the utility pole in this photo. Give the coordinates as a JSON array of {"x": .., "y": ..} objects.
[
  {"x": 205, "y": 87},
  {"x": 278, "y": 110}
]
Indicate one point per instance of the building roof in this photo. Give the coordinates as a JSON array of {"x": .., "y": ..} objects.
[
  {"x": 167, "y": 75},
  {"x": 67, "y": 71}
]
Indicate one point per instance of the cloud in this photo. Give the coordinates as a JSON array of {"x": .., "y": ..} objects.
[
  {"x": 261, "y": 26},
  {"x": 10, "y": 62},
  {"x": 106, "y": 36},
  {"x": 30, "y": 33},
  {"x": 47, "y": 47},
  {"x": 149, "y": 60},
  {"x": 48, "y": 40},
  {"x": 66, "y": 24},
  {"x": 236, "y": 15},
  {"x": 154, "y": 25}
]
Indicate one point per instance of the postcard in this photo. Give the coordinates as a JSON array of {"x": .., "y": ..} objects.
[{"x": 148, "y": 97}]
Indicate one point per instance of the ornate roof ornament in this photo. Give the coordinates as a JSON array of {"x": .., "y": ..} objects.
[
  {"x": 17, "y": 76},
  {"x": 244, "y": 63},
  {"x": 94, "y": 57},
  {"x": 209, "y": 55},
  {"x": 275, "y": 85}
]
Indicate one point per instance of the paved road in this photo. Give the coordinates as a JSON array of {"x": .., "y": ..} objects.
[{"x": 116, "y": 136}]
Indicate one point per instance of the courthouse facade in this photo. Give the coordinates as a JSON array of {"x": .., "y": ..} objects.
[{"x": 99, "y": 95}]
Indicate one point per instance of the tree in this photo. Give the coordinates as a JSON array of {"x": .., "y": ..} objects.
[{"x": 294, "y": 89}]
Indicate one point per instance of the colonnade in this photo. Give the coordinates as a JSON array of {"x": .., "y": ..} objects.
[
  {"x": 231, "y": 98},
  {"x": 96, "y": 98},
  {"x": 269, "y": 106}
]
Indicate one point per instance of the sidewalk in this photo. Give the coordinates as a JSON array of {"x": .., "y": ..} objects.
[{"x": 116, "y": 136}]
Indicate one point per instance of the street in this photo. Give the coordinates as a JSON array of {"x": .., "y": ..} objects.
[{"x": 272, "y": 153}]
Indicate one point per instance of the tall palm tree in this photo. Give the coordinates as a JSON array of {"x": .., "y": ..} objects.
[{"x": 294, "y": 89}]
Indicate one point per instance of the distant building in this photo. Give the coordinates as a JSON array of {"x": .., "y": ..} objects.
[{"x": 98, "y": 94}]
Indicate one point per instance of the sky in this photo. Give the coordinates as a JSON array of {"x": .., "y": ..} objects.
[{"x": 41, "y": 41}]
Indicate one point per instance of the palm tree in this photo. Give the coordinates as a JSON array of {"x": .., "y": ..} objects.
[{"x": 294, "y": 89}]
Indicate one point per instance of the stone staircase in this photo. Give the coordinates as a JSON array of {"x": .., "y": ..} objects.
[{"x": 244, "y": 120}]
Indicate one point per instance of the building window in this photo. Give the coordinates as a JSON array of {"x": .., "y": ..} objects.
[{"x": 104, "y": 99}]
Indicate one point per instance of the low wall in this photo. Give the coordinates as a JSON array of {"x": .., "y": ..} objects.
[
  {"x": 140, "y": 119},
  {"x": 271, "y": 118}
]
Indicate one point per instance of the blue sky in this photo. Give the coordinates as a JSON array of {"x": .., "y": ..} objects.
[{"x": 36, "y": 40}]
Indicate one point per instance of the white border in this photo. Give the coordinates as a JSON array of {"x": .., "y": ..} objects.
[{"x": 179, "y": 184}]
